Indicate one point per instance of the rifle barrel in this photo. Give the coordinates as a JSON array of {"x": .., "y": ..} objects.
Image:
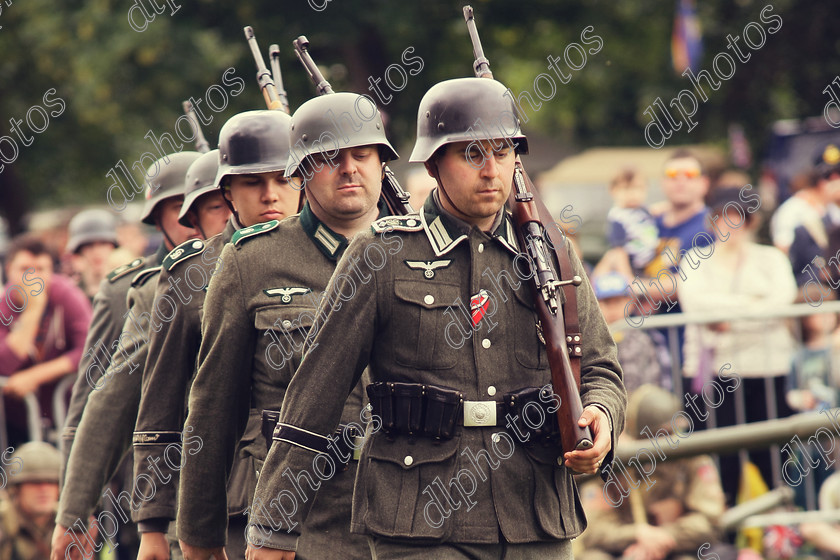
[
  {"x": 201, "y": 143},
  {"x": 481, "y": 66},
  {"x": 322, "y": 86}
]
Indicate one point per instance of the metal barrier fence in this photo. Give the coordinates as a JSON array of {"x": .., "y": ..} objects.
[
  {"x": 34, "y": 421},
  {"x": 672, "y": 323}
]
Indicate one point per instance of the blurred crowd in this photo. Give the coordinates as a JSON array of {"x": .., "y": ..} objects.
[{"x": 711, "y": 245}]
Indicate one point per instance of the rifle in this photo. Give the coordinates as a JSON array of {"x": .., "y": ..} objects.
[
  {"x": 201, "y": 143},
  {"x": 395, "y": 197},
  {"x": 529, "y": 215},
  {"x": 274, "y": 57},
  {"x": 273, "y": 99}
]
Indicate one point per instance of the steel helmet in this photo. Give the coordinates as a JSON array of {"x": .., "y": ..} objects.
[
  {"x": 465, "y": 109},
  {"x": 328, "y": 123},
  {"x": 166, "y": 180},
  {"x": 90, "y": 226},
  {"x": 41, "y": 463},
  {"x": 253, "y": 142},
  {"x": 200, "y": 180}
]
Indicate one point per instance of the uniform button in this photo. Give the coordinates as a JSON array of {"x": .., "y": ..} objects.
[
  {"x": 496, "y": 438},
  {"x": 560, "y": 460},
  {"x": 491, "y": 390},
  {"x": 481, "y": 247},
  {"x": 408, "y": 460},
  {"x": 197, "y": 244},
  {"x": 287, "y": 324},
  {"x": 429, "y": 299},
  {"x": 486, "y": 343}
]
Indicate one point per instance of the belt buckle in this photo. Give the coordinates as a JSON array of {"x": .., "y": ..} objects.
[{"x": 479, "y": 413}]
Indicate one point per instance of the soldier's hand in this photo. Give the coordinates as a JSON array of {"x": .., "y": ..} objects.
[
  {"x": 153, "y": 546},
  {"x": 66, "y": 545},
  {"x": 200, "y": 553},
  {"x": 264, "y": 553},
  {"x": 589, "y": 460}
]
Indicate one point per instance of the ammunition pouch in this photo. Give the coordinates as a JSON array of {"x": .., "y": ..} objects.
[
  {"x": 414, "y": 409},
  {"x": 530, "y": 415}
]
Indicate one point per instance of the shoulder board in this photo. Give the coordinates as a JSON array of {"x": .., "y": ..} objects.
[
  {"x": 125, "y": 269},
  {"x": 144, "y": 276},
  {"x": 397, "y": 223},
  {"x": 249, "y": 232},
  {"x": 182, "y": 252}
]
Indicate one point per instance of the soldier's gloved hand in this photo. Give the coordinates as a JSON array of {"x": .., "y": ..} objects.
[
  {"x": 265, "y": 553},
  {"x": 200, "y": 553},
  {"x": 69, "y": 545},
  {"x": 589, "y": 460},
  {"x": 153, "y": 546}
]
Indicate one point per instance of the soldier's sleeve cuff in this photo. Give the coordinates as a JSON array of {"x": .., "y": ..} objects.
[
  {"x": 156, "y": 525},
  {"x": 609, "y": 457},
  {"x": 260, "y": 536}
]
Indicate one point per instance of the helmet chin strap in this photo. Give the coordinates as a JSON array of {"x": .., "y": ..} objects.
[
  {"x": 436, "y": 174},
  {"x": 230, "y": 205},
  {"x": 165, "y": 235}
]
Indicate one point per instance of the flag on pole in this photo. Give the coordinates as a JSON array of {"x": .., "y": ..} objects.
[{"x": 686, "y": 41}]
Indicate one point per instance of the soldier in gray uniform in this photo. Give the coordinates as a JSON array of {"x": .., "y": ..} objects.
[
  {"x": 447, "y": 326},
  {"x": 257, "y": 312},
  {"x": 254, "y": 147},
  {"x": 104, "y": 431}
]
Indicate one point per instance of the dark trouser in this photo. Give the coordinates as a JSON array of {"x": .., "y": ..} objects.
[
  {"x": 754, "y": 394},
  {"x": 382, "y": 549},
  {"x": 235, "y": 548}
]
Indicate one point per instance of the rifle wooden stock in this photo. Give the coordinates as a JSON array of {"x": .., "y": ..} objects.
[
  {"x": 395, "y": 197},
  {"x": 201, "y": 143},
  {"x": 269, "y": 91},
  {"x": 526, "y": 213}
]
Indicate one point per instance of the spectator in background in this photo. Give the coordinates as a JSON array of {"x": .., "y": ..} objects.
[
  {"x": 92, "y": 239},
  {"x": 685, "y": 214},
  {"x": 27, "y": 519},
  {"x": 813, "y": 200},
  {"x": 642, "y": 353},
  {"x": 43, "y": 323},
  {"x": 739, "y": 276},
  {"x": 631, "y": 229},
  {"x": 817, "y": 240},
  {"x": 668, "y": 520}
]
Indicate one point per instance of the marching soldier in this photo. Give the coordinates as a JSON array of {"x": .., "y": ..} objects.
[
  {"x": 433, "y": 482},
  {"x": 104, "y": 432},
  {"x": 254, "y": 147},
  {"x": 109, "y": 304},
  {"x": 257, "y": 312},
  {"x": 92, "y": 237}
]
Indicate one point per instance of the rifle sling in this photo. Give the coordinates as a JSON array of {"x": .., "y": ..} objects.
[{"x": 558, "y": 241}]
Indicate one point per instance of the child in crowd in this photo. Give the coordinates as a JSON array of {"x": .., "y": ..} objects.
[
  {"x": 642, "y": 353},
  {"x": 632, "y": 232}
]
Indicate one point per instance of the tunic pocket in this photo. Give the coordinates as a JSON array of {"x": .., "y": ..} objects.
[
  {"x": 402, "y": 483},
  {"x": 422, "y": 311}
]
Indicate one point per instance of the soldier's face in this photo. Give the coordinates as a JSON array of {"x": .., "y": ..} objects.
[
  {"x": 478, "y": 178},
  {"x": 167, "y": 220},
  {"x": 211, "y": 212},
  {"x": 348, "y": 185},
  {"x": 262, "y": 197}
]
